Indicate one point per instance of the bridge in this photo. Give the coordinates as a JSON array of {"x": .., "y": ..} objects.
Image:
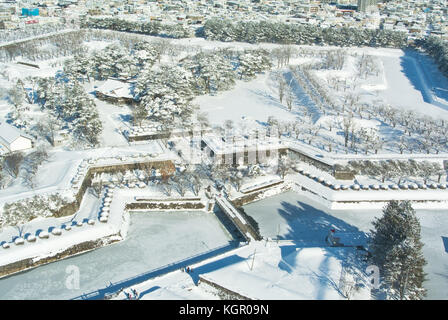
[{"x": 236, "y": 218}]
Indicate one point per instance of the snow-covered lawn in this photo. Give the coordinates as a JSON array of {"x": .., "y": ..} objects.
[
  {"x": 283, "y": 272},
  {"x": 306, "y": 222},
  {"x": 279, "y": 271},
  {"x": 255, "y": 99},
  {"x": 57, "y": 173},
  {"x": 112, "y": 118},
  {"x": 155, "y": 239},
  {"x": 291, "y": 216},
  {"x": 408, "y": 88},
  {"x": 406, "y": 79}
]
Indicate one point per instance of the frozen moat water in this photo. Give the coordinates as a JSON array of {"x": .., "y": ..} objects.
[{"x": 154, "y": 239}]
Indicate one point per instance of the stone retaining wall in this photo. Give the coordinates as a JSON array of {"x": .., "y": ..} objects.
[
  {"x": 224, "y": 293},
  {"x": 79, "y": 248}
]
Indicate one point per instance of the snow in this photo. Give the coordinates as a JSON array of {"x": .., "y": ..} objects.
[
  {"x": 232, "y": 212},
  {"x": 299, "y": 219},
  {"x": 283, "y": 272},
  {"x": 278, "y": 272},
  {"x": 56, "y": 175},
  {"x": 306, "y": 222},
  {"x": 261, "y": 182},
  {"x": 255, "y": 99},
  {"x": 115, "y": 88},
  {"x": 291, "y": 216},
  {"x": 154, "y": 239}
]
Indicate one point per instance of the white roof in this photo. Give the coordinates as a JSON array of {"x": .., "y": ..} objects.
[
  {"x": 9, "y": 134},
  {"x": 116, "y": 88}
]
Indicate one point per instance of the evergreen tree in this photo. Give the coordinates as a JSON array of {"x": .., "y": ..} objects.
[
  {"x": 397, "y": 250},
  {"x": 166, "y": 93}
]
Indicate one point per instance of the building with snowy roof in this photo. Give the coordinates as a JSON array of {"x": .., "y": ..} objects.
[
  {"x": 12, "y": 139},
  {"x": 115, "y": 91}
]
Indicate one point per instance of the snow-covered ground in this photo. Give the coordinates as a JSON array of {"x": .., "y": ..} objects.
[
  {"x": 301, "y": 268},
  {"x": 278, "y": 271},
  {"x": 407, "y": 86},
  {"x": 112, "y": 117},
  {"x": 405, "y": 81},
  {"x": 306, "y": 223},
  {"x": 255, "y": 100},
  {"x": 56, "y": 174},
  {"x": 154, "y": 239}
]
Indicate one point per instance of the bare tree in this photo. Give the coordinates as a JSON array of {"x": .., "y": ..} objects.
[
  {"x": 12, "y": 163},
  {"x": 161, "y": 46},
  {"x": 284, "y": 166},
  {"x": 289, "y": 97},
  {"x": 347, "y": 125},
  {"x": 167, "y": 186},
  {"x": 281, "y": 86}
]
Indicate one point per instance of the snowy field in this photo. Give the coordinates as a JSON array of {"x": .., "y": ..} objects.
[
  {"x": 291, "y": 216},
  {"x": 410, "y": 88},
  {"x": 155, "y": 239},
  {"x": 254, "y": 100},
  {"x": 306, "y": 223},
  {"x": 112, "y": 117},
  {"x": 407, "y": 80},
  {"x": 278, "y": 272}
]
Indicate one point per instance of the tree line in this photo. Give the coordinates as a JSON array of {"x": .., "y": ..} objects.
[
  {"x": 17, "y": 214},
  {"x": 289, "y": 33},
  {"x": 437, "y": 49},
  {"x": 153, "y": 28}
]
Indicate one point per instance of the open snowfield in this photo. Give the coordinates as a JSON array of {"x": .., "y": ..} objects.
[
  {"x": 154, "y": 239},
  {"x": 291, "y": 216},
  {"x": 112, "y": 118},
  {"x": 278, "y": 272},
  {"x": 306, "y": 223},
  {"x": 255, "y": 100},
  {"x": 407, "y": 86},
  {"x": 301, "y": 265},
  {"x": 283, "y": 272},
  {"x": 405, "y": 80}
]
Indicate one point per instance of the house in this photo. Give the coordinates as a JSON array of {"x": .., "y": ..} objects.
[
  {"x": 256, "y": 147},
  {"x": 60, "y": 138},
  {"x": 12, "y": 139},
  {"x": 115, "y": 91}
]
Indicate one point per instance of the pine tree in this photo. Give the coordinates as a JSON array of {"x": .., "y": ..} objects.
[{"x": 397, "y": 250}]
